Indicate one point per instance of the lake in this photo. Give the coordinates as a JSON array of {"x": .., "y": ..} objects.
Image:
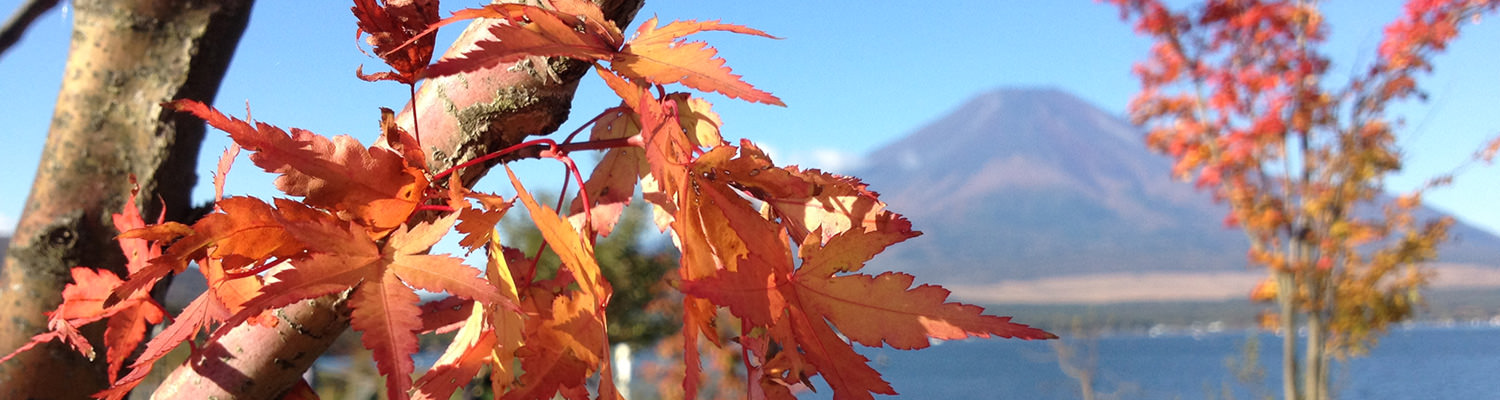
[{"x": 1420, "y": 362}]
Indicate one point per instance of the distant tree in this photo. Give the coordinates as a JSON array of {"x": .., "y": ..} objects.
[
  {"x": 1236, "y": 91},
  {"x": 1078, "y": 356}
]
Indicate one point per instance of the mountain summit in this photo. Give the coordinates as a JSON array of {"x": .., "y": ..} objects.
[{"x": 1031, "y": 183}]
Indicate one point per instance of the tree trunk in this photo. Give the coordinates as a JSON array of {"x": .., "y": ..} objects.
[
  {"x": 1312, "y": 375},
  {"x": 126, "y": 58},
  {"x": 462, "y": 117},
  {"x": 1285, "y": 295}
]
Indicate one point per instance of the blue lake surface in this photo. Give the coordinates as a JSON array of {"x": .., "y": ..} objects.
[{"x": 1453, "y": 362}]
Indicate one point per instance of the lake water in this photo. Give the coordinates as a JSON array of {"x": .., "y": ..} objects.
[{"x": 1453, "y": 362}]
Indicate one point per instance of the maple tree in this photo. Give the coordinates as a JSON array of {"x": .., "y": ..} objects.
[
  {"x": 779, "y": 248},
  {"x": 1238, "y": 93}
]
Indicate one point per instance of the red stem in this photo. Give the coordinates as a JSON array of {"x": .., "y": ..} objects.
[
  {"x": 416, "y": 128},
  {"x": 583, "y": 193},
  {"x": 745, "y": 358},
  {"x": 633, "y": 141},
  {"x": 591, "y": 121},
  {"x": 253, "y": 271},
  {"x": 508, "y": 150},
  {"x": 567, "y": 169}
]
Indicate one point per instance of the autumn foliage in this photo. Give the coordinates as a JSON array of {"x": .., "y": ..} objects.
[
  {"x": 780, "y": 248},
  {"x": 1238, "y": 93}
]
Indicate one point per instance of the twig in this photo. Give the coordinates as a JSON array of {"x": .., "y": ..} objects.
[{"x": 11, "y": 32}]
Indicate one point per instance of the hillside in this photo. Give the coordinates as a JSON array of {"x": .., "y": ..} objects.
[{"x": 1022, "y": 184}]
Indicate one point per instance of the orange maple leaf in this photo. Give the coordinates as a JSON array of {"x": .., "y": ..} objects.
[
  {"x": 668, "y": 149},
  {"x": 750, "y": 271},
  {"x": 576, "y": 254},
  {"x": 466, "y": 355},
  {"x": 246, "y": 231},
  {"x": 82, "y": 303},
  {"x": 384, "y": 306},
  {"x": 486, "y": 334},
  {"x": 566, "y": 342},
  {"x": 375, "y": 185},
  {"x": 807, "y": 201},
  {"x": 478, "y": 224},
  {"x": 658, "y": 55},
  {"x": 221, "y": 172},
  {"x": 612, "y": 184},
  {"x": 530, "y": 31}
]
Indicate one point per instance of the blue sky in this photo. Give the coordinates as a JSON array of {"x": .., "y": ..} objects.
[{"x": 854, "y": 78}]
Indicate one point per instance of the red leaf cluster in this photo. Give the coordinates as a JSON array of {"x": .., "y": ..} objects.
[{"x": 780, "y": 248}]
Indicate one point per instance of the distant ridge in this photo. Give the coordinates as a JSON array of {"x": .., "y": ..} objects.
[{"x": 1036, "y": 183}]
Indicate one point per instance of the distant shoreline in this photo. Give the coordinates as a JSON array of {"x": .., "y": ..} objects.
[
  {"x": 1114, "y": 288},
  {"x": 1443, "y": 307}
]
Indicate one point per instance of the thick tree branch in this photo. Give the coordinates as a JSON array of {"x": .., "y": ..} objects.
[
  {"x": 267, "y": 369},
  {"x": 466, "y": 116},
  {"x": 126, "y": 58}
]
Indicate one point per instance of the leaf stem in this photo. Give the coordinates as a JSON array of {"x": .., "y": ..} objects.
[
  {"x": 551, "y": 145},
  {"x": 416, "y": 127},
  {"x": 506, "y": 151},
  {"x": 262, "y": 267}
]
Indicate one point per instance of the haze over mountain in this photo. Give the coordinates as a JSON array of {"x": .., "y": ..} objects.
[{"x": 1033, "y": 183}]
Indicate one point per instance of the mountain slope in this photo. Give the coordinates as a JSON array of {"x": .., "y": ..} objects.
[{"x": 1030, "y": 183}]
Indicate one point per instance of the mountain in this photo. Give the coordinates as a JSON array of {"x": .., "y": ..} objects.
[{"x": 1035, "y": 183}]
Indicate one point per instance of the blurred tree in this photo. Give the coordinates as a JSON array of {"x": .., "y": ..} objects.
[{"x": 1236, "y": 91}]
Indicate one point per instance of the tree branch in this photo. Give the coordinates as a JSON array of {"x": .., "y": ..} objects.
[
  {"x": 11, "y": 32},
  {"x": 276, "y": 362}
]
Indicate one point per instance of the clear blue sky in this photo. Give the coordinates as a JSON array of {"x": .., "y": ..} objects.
[{"x": 854, "y": 77}]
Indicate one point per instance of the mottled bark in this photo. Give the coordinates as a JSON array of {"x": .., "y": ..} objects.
[
  {"x": 468, "y": 115},
  {"x": 263, "y": 362},
  {"x": 463, "y": 117},
  {"x": 126, "y": 57}
]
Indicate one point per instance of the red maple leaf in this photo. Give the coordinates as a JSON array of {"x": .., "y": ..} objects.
[{"x": 391, "y": 27}]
